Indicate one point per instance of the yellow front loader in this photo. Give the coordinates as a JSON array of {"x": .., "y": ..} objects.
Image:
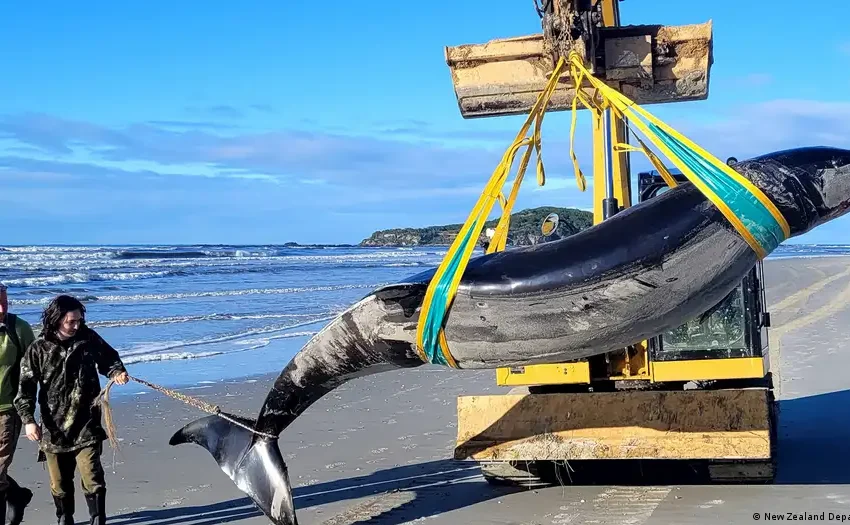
[{"x": 701, "y": 393}]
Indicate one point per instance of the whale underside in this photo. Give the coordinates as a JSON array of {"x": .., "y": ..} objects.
[{"x": 646, "y": 270}]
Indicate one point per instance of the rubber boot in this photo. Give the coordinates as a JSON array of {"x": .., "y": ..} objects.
[
  {"x": 3, "y": 506},
  {"x": 97, "y": 507},
  {"x": 17, "y": 499},
  {"x": 64, "y": 509}
]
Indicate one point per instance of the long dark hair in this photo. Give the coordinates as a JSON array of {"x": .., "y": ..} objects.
[{"x": 56, "y": 310}]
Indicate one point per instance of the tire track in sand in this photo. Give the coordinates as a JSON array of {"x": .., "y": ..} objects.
[
  {"x": 621, "y": 505},
  {"x": 835, "y": 304},
  {"x": 805, "y": 293}
]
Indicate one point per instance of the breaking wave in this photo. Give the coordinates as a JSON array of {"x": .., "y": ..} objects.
[
  {"x": 54, "y": 267},
  {"x": 174, "y": 356},
  {"x": 84, "y": 277},
  {"x": 195, "y": 295},
  {"x": 177, "y": 319}
]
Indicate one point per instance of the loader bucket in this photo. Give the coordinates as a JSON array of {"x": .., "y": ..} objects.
[{"x": 650, "y": 64}]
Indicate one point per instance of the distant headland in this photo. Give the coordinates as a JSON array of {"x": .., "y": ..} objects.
[{"x": 524, "y": 230}]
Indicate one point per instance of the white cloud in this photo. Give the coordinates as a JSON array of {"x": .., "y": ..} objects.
[{"x": 775, "y": 125}]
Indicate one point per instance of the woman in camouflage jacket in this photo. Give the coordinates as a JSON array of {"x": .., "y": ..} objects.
[{"x": 63, "y": 365}]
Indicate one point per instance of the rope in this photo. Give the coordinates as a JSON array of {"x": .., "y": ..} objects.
[{"x": 103, "y": 401}]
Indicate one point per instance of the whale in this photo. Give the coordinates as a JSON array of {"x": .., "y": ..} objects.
[{"x": 645, "y": 270}]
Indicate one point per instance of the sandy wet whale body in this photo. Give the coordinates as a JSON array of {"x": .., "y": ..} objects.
[{"x": 646, "y": 270}]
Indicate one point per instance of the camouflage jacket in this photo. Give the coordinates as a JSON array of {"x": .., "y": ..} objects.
[{"x": 65, "y": 373}]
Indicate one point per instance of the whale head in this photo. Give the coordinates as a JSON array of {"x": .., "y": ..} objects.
[{"x": 810, "y": 186}]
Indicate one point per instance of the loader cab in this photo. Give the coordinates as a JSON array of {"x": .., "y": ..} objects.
[{"x": 734, "y": 328}]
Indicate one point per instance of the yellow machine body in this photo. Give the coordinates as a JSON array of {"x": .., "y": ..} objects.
[
  {"x": 595, "y": 422},
  {"x": 731, "y": 424}
]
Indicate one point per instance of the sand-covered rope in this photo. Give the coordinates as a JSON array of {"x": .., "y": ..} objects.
[{"x": 103, "y": 401}]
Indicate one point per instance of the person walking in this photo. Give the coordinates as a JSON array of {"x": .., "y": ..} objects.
[
  {"x": 62, "y": 364},
  {"x": 15, "y": 336}
]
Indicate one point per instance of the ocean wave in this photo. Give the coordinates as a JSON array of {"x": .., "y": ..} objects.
[
  {"x": 178, "y": 319},
  {"x": 255, "y": 344},
  {"x": 39, "y": 269},
  {"x": 203, "y": 252},
  {"x": 175, "y": 356},
  {"x": 807, "y": 256},
  {"x": 178, "y": 253},
  {"x": 76, "y": 272},
  {"x": 148, "y": 358},
  {"x": 85, "y": 277},
  {"x": 56, "y": 249},
  {"x": 129, "y": 254},
  {"x": 149, "y": 348},
  {"x": 809, "y": 251},
  {"x": 23, "y": 256},
  {"x": 193, "y": 295},
  {"x": 150, "y": 254}
]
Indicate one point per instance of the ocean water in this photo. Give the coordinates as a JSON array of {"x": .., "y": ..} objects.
[{"x": 197, "y": 315}]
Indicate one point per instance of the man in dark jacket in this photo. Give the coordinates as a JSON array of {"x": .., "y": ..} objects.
[
  {"x": 64, "y": 362},
  {"x": 15, "y": 336}
]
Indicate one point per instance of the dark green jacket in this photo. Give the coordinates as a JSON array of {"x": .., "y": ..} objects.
[
  {"x": 65, "y": 374},
  {"x": 10, "y": 357}
]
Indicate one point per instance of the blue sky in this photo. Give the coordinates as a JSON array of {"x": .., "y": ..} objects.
[{"x": 268, "y": 122}]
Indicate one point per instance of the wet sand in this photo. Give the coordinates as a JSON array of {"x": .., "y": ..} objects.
[{"x": 382, "y": 446}]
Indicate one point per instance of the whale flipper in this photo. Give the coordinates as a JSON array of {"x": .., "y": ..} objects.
[{"x": 254, "y": 464}]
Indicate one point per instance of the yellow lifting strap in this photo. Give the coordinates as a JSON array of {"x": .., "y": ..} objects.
[
  {"x": 431, "y": 342},
  {"x": 753, "y": 215},
  {"x": 653, "y": 158},
  {"x": 750, "y": 212}
]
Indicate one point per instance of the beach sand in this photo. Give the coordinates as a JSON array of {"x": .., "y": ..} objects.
[{"x": 383, "y": 445}]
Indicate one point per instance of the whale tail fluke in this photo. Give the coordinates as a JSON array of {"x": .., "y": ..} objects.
[{"x": 254, "y": 464}]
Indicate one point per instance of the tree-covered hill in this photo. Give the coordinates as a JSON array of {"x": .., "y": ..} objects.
[{"x": 524, "y": 229}]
